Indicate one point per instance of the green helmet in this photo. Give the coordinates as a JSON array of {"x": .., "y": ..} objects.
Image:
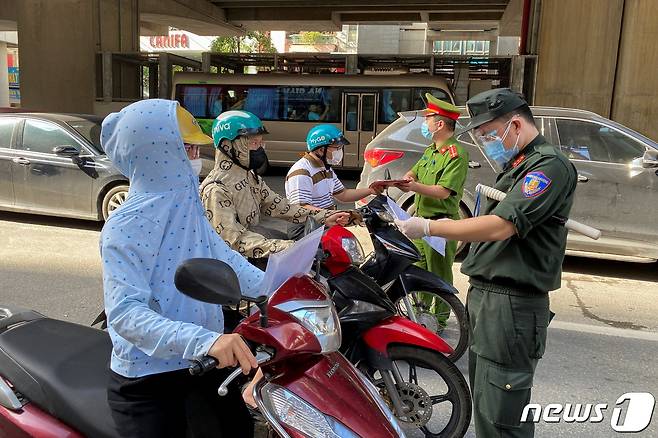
[{"x": 232, "y": 124}]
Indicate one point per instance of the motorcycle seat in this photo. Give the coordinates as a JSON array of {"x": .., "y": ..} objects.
[{"x": 62, "y": 368}]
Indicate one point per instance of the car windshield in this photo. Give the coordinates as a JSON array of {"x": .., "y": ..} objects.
[{"x": 90, "y": 130}]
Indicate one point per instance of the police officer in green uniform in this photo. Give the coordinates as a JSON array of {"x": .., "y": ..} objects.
[
  {"x": 438, "y": 182},
  {"x": 516, "y": 262}
]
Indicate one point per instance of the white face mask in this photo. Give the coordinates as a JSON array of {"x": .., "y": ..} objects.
[
  {"x": 336, "y": 157},
  {"x": 196, "y": 166}
]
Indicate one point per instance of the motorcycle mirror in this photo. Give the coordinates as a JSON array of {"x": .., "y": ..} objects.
[{"x": 208, "y": 280}]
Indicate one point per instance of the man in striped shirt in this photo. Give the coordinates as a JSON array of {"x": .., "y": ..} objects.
[{"x": 312, "y": 183}]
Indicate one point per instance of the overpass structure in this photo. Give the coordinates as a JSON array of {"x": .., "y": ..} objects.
[{"x": 588, "y": 56}]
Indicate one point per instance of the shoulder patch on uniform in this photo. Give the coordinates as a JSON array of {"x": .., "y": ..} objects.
[
  {"x": 453, "y": 151},
  {"x": 534, "y": 184}
]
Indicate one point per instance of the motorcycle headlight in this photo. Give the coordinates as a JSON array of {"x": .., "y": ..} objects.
[
  {"x": 318, "y": 317},
  {"x": 298, "y": 414},
  {"x": 353, "y": 248},
  {"x": 382, "y": 404}
]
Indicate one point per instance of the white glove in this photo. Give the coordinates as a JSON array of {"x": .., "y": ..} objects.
[{"x": 414, "y": 227}]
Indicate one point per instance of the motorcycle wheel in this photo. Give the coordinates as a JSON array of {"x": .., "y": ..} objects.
[
  {"x": 416, "y": 380},
  {"x": 455, "y": 333}
]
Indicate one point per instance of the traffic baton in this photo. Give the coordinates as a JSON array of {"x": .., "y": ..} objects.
[{"x": 570, "y": 224}]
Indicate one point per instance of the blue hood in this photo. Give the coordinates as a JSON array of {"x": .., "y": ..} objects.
[
  {"x": 155, "y": 328},
  {"x": 144, "y": 143}
]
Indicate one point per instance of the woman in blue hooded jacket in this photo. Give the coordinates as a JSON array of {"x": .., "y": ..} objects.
[{"x": 155, "y": 329}]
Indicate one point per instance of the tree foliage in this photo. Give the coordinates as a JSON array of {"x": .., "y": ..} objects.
[
  {"x": 253, "y": 42},
  {"x": 311, "y": 38}
]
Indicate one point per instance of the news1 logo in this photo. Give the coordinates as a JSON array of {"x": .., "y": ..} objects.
[{"x": 638, "y": 412}]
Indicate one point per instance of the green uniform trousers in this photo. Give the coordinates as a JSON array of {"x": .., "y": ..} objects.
[
  {"x": 508, "y": 337},
  {"x": 432, "y": 261}
]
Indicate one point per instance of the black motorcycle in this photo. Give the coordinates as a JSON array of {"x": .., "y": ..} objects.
[{"x": 418, "y": 294}]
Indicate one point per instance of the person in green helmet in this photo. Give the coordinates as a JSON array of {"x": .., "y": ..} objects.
[
  {"x": 438, "y": 182},
  {"x": 235, "y": 195}
]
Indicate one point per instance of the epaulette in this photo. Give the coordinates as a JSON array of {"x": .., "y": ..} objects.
[
  {"x": 547, "y": 150},
  {"x": 450, "y": 148}
]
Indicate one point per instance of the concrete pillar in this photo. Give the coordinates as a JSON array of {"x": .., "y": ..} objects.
[
  {"x": 635, "y": 99},
  {"x": 510, "y": 22},
  {"x": 461, "y": 83},
  {"x": 506, "y": 45},
  {"x": 4, "y": 75},
  {"x": 379, "y": 39},
  {"x": 58, "y": 41},
  {"x": 578, "y": 43}
]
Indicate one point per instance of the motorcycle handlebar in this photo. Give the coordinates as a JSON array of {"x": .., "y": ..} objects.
[
  {"x": 202, "y": 365},
  {"x": 262, "y": 356}
]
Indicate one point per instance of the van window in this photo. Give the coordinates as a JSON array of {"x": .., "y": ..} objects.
[
  {"x": 272, "y": 103},
  {"x": 393, "y": 101},
  {"x": 202, "y": 101},
  {"x": 310, "y": 104},
  {"x": 419, "y": 96}
]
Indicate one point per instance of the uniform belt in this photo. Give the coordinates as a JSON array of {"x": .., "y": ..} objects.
[{"x": 505, "y": 289}]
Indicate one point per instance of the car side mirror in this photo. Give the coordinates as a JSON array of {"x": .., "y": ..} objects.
[
  {"x": 208, "y": 280},
  {"x": 650, "y": 159},
  {"x": 66, "y": 151},
  {"x": 408, "y": 116}
]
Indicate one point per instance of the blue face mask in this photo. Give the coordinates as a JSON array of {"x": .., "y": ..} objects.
[
  {"x": 495, "y": 150},
  {"x": 425, "y": 130}
]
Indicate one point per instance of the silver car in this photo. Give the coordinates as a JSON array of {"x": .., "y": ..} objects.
[
  {"x": 53, "y": 164},
  {"x": 617, "y": 177}
]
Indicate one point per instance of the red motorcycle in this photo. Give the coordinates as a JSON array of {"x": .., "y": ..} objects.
[
  {"x": 408, "y": 363},
  {"x": 54, "y": 373}
]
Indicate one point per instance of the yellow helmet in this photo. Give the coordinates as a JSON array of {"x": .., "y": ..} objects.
[{"x": 189, "y": 128}]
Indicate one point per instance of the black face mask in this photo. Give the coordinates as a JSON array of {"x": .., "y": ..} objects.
[{"x": 258, "y": 161}]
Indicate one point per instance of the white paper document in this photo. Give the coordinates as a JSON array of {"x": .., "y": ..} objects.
[
  {"x": 291, "y": 262},
  {"x": 436, "y": 242}
]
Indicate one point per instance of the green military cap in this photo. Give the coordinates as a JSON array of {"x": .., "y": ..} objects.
[
  {"x": 490, "y": 105},
  {"x": 439, "y": 107}
]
